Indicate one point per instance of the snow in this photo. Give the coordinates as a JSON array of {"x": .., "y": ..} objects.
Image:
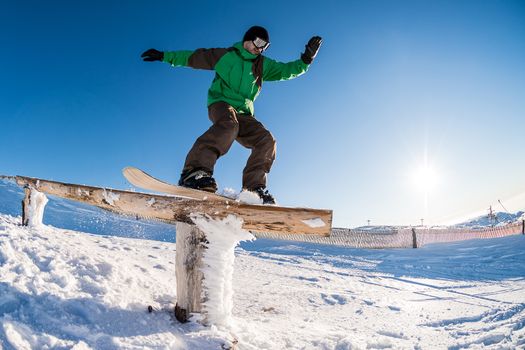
[
  {"x": 229, "y": 192},
  {"x": 110, "y": 197},
  {"x": 223, "y": 236},
  {"x": 245, "y": 196},
  {"x": 67, "y": 289},
  {"x": 35, "y": 212},
  {"x": 499, "y": 219},
  {"x": 316, "y": 222},
  {"x": 249, "y": 197}
]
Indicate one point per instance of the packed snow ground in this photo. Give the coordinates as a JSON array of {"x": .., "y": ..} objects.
[
  {"x": 65, "y": 289},
  {"x": 72, "y": 290}
]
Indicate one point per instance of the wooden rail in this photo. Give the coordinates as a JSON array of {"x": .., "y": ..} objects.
[{"x": 257, "y": 218}]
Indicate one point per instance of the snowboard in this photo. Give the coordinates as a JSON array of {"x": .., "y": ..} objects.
[
  {"x": 141, "y": 179},
  {"x": 260, "y": 218}
]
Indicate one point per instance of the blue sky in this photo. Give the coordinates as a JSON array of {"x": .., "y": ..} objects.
[{"x": 396, "y": 85}]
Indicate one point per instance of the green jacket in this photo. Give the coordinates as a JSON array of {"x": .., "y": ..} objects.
[{"x": 239, "y": 74}]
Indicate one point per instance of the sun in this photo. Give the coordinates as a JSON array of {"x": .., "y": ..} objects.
[{"x": 425, "y": 178}]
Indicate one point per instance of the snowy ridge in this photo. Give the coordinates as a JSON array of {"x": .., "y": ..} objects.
[{"x": 499, "y": 219}]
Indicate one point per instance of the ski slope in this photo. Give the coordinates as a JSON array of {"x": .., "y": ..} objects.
[{"x": 66, "y": 289}]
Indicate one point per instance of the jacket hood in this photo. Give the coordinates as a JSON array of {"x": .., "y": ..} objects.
[{"x": 244, "y": 53}]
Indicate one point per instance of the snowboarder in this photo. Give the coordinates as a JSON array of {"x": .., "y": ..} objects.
[{"x": 240, "y": 71}]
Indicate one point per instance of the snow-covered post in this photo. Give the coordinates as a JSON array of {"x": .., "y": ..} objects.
[
  {"x": 204, "y": 267},
  {"x": 33, "y": 207}
]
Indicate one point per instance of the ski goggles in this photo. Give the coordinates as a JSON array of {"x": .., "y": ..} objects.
[{"x": 261, "y": 44}]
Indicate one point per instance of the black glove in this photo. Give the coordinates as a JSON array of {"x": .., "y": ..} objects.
[
  {"x": 311, "y": 49},
  {"x": 152, "y": 55}
]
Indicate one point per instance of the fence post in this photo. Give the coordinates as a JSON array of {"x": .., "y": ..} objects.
[
  {"x": 26, "y": 202},
  {"x": 414, "y": 238}
]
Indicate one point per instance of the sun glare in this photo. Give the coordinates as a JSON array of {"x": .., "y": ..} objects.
[{"x": 425, "y": 178}]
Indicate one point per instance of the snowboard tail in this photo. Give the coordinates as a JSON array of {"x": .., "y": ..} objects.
[{"x": 145, "y": 181}]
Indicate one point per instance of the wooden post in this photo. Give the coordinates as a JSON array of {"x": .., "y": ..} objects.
[
  {"x": 190, "y": 245},
  {"x": 523, "y": 227},
  {"x": 25, "y": 206},
  {"x": 414, "y": 238}
]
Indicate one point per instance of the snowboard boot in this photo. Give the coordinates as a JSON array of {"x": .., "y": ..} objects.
[
  {"x": 198, "y": 179},
  {"x": 263, "y": 193}
]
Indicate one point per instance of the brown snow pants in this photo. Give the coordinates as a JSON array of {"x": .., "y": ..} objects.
[{"x": 227, "y": 127}]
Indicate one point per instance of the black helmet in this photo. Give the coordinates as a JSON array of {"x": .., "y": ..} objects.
[{"x": 256, "y": 32}]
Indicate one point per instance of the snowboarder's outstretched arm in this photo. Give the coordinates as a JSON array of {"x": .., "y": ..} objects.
[
  {"x": 198, "y": 59},
  {"x": 274, "y": 70}
]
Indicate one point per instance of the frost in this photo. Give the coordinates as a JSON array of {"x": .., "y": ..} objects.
[
  {"x": 82, "y": 192},
  {"x": 110, "y": 197},
  {"x": 316, "y": 222},
  {"x": 223, "y": 236}
]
